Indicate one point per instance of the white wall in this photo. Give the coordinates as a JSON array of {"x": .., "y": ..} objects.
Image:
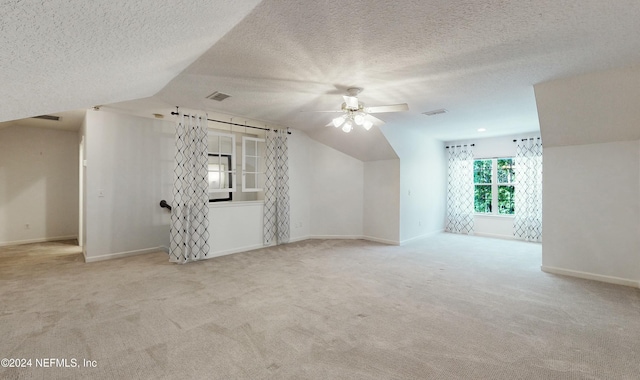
[
  {"x": 235, "y": 227},
  {"x": 422, "y": 182},
  {"x": 591, "y": 108},
  {"x": 129, "y": 161},
  {"x": 381, "y": 199},
  {"x": 592, "y": 210},
  {"x": 38, "y": 184},
  {"x": 336, "y": 192},
  {"x": 590, "y": 127},
  {"x": 497, "y": 226}
]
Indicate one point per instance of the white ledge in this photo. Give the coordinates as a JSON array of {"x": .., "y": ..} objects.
[{"x": 235, "y": 204}]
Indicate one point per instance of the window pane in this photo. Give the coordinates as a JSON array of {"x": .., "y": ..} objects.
[
  {"x": 251, "y": 164},
  {"x": 482, "y": 198},
  {"x": 250, "y": 181},
  {"x": 251, "y": 148},
  {"x": 482, "y": 171},
  {"x": 213, "y": 141},
  {"x": 226, "y": 145},
  {"x": 505, "y": 200},
  {"x": 214, "y": 159},
  {"x": 506, "y": 172},
  {"x": 216, "y": 178}
]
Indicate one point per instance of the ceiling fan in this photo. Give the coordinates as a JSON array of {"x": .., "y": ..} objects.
[{"x": 356, "y": 113}]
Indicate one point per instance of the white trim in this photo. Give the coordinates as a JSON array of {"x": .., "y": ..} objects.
[
  {"x": 379, "y": 240},
  {"x": 423, "y": 236},
  {"x": 235, "y": 250},
  {"x": 235, "y": 204},
  {"x": 336, "y": 237},
  {"x": 344, "y": 237},
  {"x": 591, "y": 276},
  {"x": 39, "y": 240},
  {"x": 110, "y": 256},
  {"x": 496, "y": 236},
  {"x": 299, "y": 238},
  {"x": 259, "y": 164}
]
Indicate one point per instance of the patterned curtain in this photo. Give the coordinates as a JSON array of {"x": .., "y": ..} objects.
[
  {"x": 276, "y": 192},
  {"x": 528, "y": 194},
  {"x": 460, "y": 190},
  {"x": 190, "y": 214}
]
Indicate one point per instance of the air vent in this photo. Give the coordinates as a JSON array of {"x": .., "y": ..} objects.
[
  {"x": 47, "y": 117},
  {"x": 218, "y": 96},
  {"x": 435, "y": 112}
]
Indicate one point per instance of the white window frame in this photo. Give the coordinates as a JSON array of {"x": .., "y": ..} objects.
[
  {"x": 216, "y": 151},
  {"x": 259, "y": 163},
  {"x": 494, "y": 185}
]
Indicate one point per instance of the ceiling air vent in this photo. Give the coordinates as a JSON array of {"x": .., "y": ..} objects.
[
  {"x": 218, "y": 96},
  {"x": 47, "y": 117},
  {"x": 435, "y": 112}
]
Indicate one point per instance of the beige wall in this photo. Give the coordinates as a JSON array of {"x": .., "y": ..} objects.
[{"x": 38, "y": 184}]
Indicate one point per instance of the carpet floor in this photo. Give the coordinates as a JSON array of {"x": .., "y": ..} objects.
[{"x": 446, "y": 307}]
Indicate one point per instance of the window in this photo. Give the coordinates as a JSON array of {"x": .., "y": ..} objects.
[
  {"x": 252, "y": 164},
  {"x": 222, "y": 173},
  {"x": 494, "y": 181}
]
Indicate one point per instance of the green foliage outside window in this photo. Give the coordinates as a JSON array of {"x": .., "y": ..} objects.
[
  {"x": 484, "y": 185},
  {"x": 482, "y": 173},
  {"x": 505, "y": 200},
  {"x": 482, "y": 198}
]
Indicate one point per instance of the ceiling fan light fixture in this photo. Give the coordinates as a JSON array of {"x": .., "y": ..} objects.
[
  {"x": 358, "y": 118},
  {"x": 347, "y": 126},
  {"x": 367, "y": 124},
  {"x": 337, "y": 122}
]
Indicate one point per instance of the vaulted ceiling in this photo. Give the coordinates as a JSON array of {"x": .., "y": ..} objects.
[{"x": 280, "y": 59}]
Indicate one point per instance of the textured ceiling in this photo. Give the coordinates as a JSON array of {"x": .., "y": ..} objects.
[
  {"x": 477, "y": 58},
  {"x": 62, "y": 55}
]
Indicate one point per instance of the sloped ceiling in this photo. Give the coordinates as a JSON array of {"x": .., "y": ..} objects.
[
  {"x": 477, "y": 58},
  {"x": 63, "y": 55}
]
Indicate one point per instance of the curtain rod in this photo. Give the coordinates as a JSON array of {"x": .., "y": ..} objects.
[
  {"x": 458, "y": 146},
  {"x": 530, "y": 138},
  {"x": 230, "y": 123}
]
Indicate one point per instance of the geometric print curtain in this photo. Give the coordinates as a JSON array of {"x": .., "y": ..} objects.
[
  {"x": 460, "y": 190},
  {"x": 276, "y": 189},
  {"x": 528, "y": 190},
  {"x": 190, "y": 215}
]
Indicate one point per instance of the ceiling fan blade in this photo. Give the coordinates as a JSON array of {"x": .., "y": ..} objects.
[
  {"x": 375, "y": 120},
  {"x": 334, "y": 111},
  {"x": 389, "y": 108},
  {"x": 351, "y": 102}
]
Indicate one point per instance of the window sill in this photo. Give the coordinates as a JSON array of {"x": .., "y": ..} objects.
[
  {"x": 499, "y": 216},
  {"x": 235, "y": 204}
]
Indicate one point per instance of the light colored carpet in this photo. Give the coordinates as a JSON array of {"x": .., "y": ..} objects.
[{"x": 447, "y": 307}]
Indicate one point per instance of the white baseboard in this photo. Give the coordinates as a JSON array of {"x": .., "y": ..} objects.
[
  {"x": 111, "y": 256},
  {"x": 235, "y": 250},
  {"x": 591, "y": 276},
  {"x": 345, "y": 237},
  {"x": 379, "y": 240},
  {"x": 39, "y": 240},
  {"x": 423, "y": 236},
  {"x": 336, "y": 237},
  {"x": 298, "y": 238},
  {"x": 495, "y": 236}
]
